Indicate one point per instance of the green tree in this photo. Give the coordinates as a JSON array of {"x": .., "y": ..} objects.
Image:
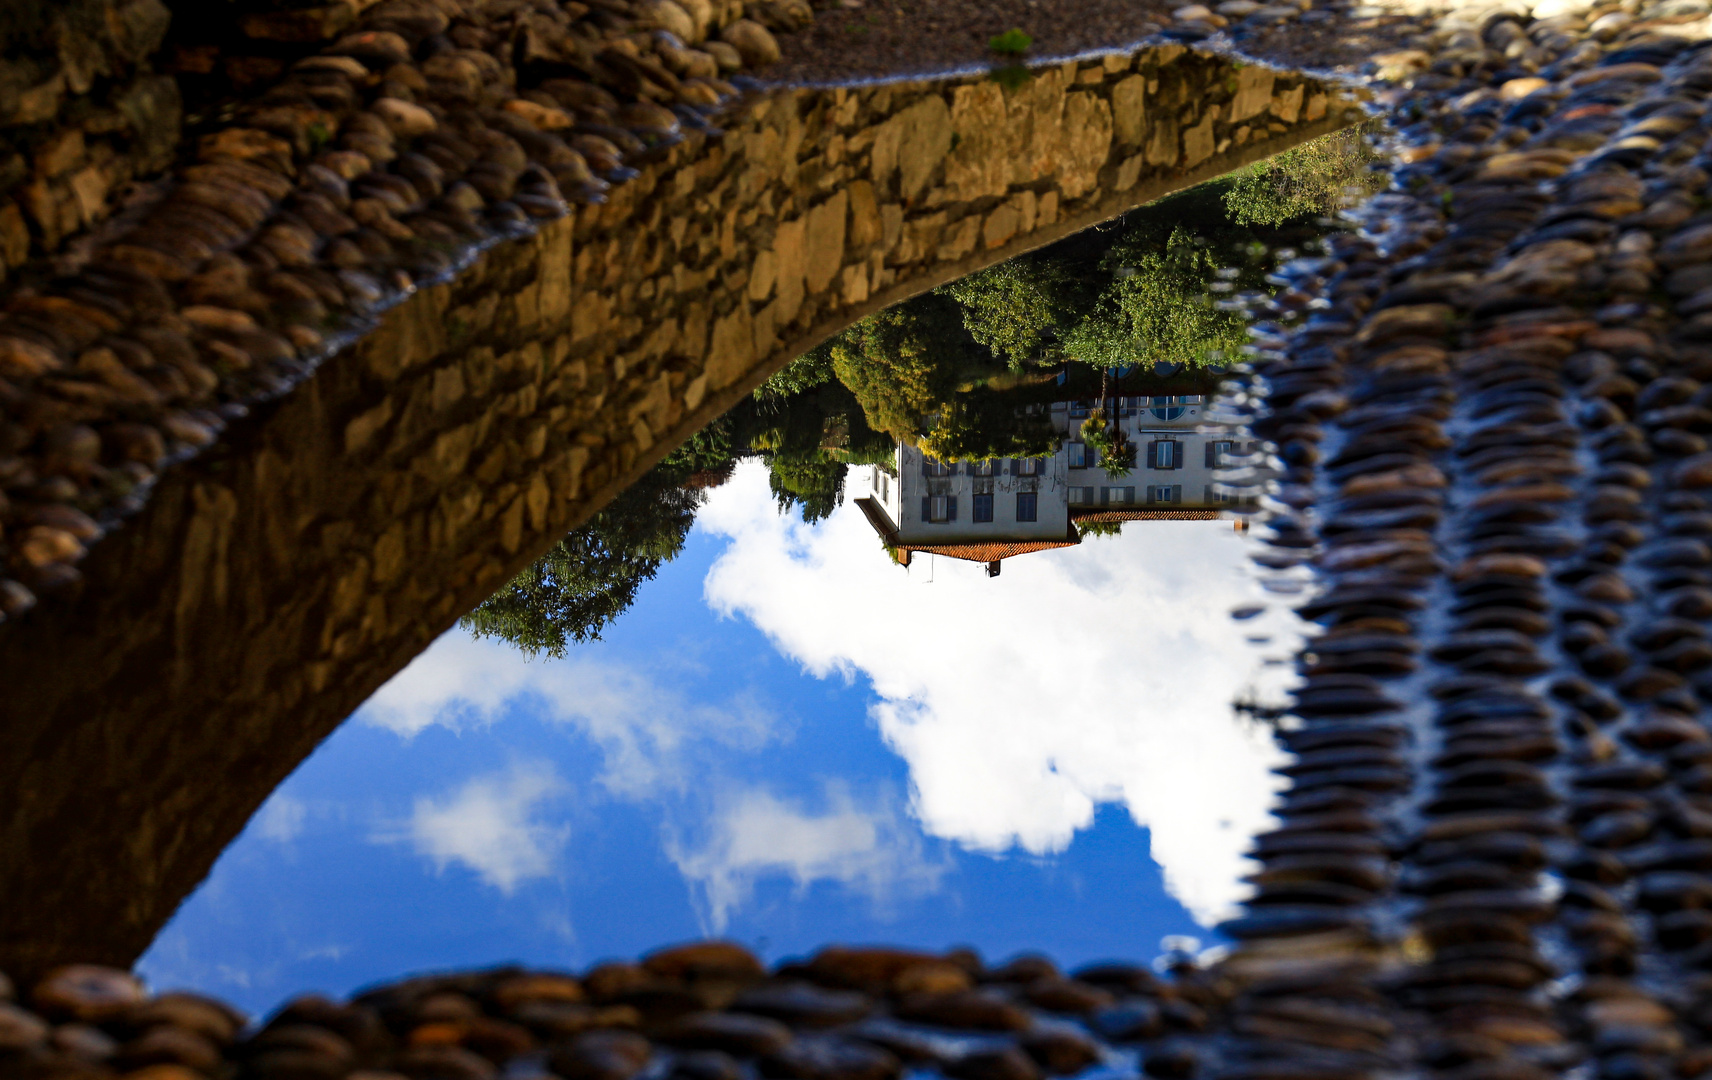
[
  {"x": 1312, "y": 180},
  {"x": 813, "y": 482},
  {"x": 1020, "y": 308},
  {"x": 589, "y": 578},
  {"x": 905, "y": 362},
  {"x": 1157, "y": 309},
  {"x": 811, "y": 369}
]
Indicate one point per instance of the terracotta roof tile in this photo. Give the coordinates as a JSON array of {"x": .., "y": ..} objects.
[
  {"x": 1103, "y": 516},
  {"x": 986, "y": 553}
]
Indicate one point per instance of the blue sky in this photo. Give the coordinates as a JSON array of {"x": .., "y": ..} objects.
[{"x": 788, "y": 741}]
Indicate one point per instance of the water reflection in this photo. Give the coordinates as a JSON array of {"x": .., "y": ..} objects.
[
  {"x": 1160, "y": 460},
  {"x": 789, "y": 740},
  {"x": 779, "y": 689}
]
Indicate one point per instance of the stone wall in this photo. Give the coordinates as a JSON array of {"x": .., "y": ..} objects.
[
  {"x": 83, "y": 115},
  {"x": 272, "y": 584}
]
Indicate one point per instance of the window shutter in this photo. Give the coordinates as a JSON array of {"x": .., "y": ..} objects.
[
  {"x": 1129, "y": 496},
  {"x": 951, "y": 508},
  {"x": 1153, "y": 455},
  {"x": 1176, "y": 454},
  {"x": 926, "y": 508},
  {"x": 1212, "y": 453},
  {"x": 1177, "y": 493}
]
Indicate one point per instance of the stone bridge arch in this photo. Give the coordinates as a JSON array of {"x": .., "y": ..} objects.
[{"x": 273, "y": 583}]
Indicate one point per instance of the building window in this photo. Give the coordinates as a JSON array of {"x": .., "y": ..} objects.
[
  {"x": 983, "y": 509},
  {"x": 1118, "y": 496},
  {"x": 1027, "y": 466},
  {"x": 1166, "y": 408},
  {"x": 1026, "y": 505},
  {"x": 1164, "y": 494},
  {"x": 1078, "y": 409},
  {"x": 939, "y": 509},
  {"x": 930, "y": 467},
  {"x": 982, "y": 468},
  {"x": 1083, "y": 456},
  {"x": 1219, "y": 452},
  {"x": 1163, "y": 454},
  {"x": 1082, "y": 496}
]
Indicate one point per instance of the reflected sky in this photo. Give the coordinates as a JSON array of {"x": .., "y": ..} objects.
[{"x": 787, "y": 741}]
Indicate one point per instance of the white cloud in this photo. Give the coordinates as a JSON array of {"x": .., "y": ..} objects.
[
  {"x": 643, "y": 726},
  {"x": 281, "y": 819},
  {"x": 1100, "y": 673},
  {"x": 493, "y": 826},
  {"x": 864, "y": 845}
]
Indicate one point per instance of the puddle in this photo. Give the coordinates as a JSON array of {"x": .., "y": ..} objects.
[{"x": 834, "y": 672}]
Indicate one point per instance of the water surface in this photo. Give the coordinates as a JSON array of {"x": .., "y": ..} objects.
[
  {"x": 789, "y": 740},
  {"x": 978, "y": 684}
]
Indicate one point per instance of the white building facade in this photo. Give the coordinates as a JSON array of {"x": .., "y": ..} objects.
[{"x": 930, "y": 504}]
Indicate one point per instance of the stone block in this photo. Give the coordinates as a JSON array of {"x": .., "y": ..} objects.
[
  {"x": 1162, "y": 142},
  {"x": 731, "y": 349},
  {"x": 1087, "y": 144},
  {"x": 766, "y": 335},
  {"x": 1198, "y": 142},
  {"x": 14, "y": 234},
  {"x": 865, "y": 229},
  {"x": 824, "y": 241},
  {"x": 139, "y": 27},
  {"x": 1034, "y": 126},
  {"x": 511, "y": 526},
  {"x": 536, "y": 501},
  {"x": 40, "y": 103},
  {"x": 1253, "y": 92},
  {"x": 90, "y": 187},
  {"x": 789, "y": 247},
  {"x": 853, "y": 284},
  {"x": 762, "y": 275},
  {"x": 961, "y": 240},
  {"x": 1129, "y": 111},
  {"x": 61, "y": 154},
  {"x": 1129, "y": 173},
  {"x": 1001, "y": 224},
  {"x": 891, "y": 226},
  {"x": 917, "y": 141},
  {"x": 977, "y": 166}
]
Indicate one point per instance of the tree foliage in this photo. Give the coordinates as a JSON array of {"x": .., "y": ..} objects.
[
  {"x": 1312, "y": 180},
  {"x": 589, "y": 578},
  {"x": 904, "y": 363},
  {"x": 813, "y": 482},
  {"x": 1019, "y": 308},
  {"x": 811, "y": 369},
  {"x": 1156, "y": 309},
  {"x": 1117, "y": 453}
]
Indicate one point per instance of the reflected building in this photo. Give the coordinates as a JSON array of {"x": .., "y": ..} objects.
[{"x": 988, "y": 511}]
